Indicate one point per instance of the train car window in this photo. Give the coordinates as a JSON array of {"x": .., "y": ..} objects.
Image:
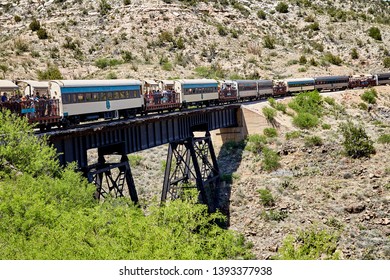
[
  {"x": 109, "y": 95},
  {"x": 88, "y": 97},
  {"x": 80, "y": 97},
  {"x": 122, "y": 94},
  {"x": 65, "y": 99},
  {"x": 103, "y": 96},
  {"x": 73, "y": 98},
  {"x": 115, "y": 95},
  {"x": 95, "y": 96}
]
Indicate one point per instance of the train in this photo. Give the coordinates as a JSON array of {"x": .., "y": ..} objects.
[{"x": 66, "y": 103}]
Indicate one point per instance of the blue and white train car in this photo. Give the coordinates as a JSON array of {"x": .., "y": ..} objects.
[
  {"x": 197, "y": 91},
  {"x": 81, "y": 100},
  {"x": 299, "y": 85}
]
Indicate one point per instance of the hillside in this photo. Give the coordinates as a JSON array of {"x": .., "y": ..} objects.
[{"x": 166, "y": 39}]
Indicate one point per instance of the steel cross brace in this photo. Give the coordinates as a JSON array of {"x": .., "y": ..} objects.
[{"x": 192, "y": 163}]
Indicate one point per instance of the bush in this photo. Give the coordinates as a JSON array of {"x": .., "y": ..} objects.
[
  {"x": 35, "y": 25},
  {"x": 266, "y": 197},
  {"x": 356, "y": 143},
  {"x": 255, "y": 142},
  {"x": 222, "y": 30},
  {"x": 105, "y": 62},
  {"x": 375, "y": 33},
  {"x": 104, "y": 7},
  {"x": 293, "y": 135},
  {"x": 17, "y": 18},
  {"x": 312, "y": 141},
  {"x": 333, "y": 59},
  {"x": 282, "y": 7},
  {"x": 270, "y": 132},
  {"x": 307, "y": 102},
  {"x": 386, "y": 62},
  {"x": 326, "y": 126},
  {"x": 51, "y": 73},
  {"x": 42, "y": 34},
  {"x": 305, "y": 120},
  {"x": 363, "y": 106},
  {"x": 311, "y": 244},
  {"x": 274, "y": 215},
  {"x": 384, "y": 139},
  {"x": 369, "y": 96},
  {"x": 354, "y": 53},
  {"x": 261, "y": 14},
  {"x": 269, "y": 114},
  {"x": 270, "y": 159},
  {"x": 269, "y": 42}
]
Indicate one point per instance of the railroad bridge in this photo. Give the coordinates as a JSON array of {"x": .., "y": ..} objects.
[{"x": 191, "y": 160}]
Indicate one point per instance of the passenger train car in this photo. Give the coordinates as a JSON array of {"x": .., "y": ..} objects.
[
  {"x": 82, "y": 100},
  {"x": 67, "y": 102}
]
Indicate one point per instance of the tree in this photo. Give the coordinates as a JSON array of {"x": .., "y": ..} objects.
[
  {"x": 356, "y": 143},
  {"x": 51, "y": 73},
  {"x": 282, "y": 7}
]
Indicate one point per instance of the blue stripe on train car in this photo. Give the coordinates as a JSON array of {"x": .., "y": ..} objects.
[
  {"x": 28, "y": 110},
  {"x": 65, "y": 90},
  {"x": 200, "y": 85}
]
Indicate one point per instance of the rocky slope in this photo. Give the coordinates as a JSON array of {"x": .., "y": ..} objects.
[{"x": 166, "y": 39}]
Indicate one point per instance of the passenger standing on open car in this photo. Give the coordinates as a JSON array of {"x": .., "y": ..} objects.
[{"x": 4, "y": 97}]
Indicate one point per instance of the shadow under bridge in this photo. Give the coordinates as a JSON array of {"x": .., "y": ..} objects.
[{"x": 191, "y": 161}]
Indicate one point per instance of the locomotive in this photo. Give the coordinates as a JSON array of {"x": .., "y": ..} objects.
[{"x": 64, "y": 103}]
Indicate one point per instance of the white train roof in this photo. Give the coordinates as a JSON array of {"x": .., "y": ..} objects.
[
  {"x": 6, "y": 85},
  {"x": 90, "y": 83},
  {"x": 197, "y": 81},
  {"x": 36, "y": 84}
]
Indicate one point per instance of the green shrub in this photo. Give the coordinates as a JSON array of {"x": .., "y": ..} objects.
[
  {"x": 375, "y": 33},
  {"x": 354, "y": 53},
  {"x": 307, "y": 102},
  {"x": 274, "y": 215},
  {"x": 17, "y": 18},
  {"x": 42, "y": 34},
  {"x": 105, "y": 62},
  {"x": 111, "y": 76},
  {"x": 330, "y": 100},
  {"x": 261, "y": 14},
  {"x": 305, "y": 120},
  {"x": 269, "y": 114},
  {"x": 326, "y": 126},
  {"x": 266, "y": 197},
  {"x": 293, "y": 135},
  {"x": 356, "y": 141},
  {"x": 333, "y": 59},
  {"x": 21, "y": 45},
  {"x": 255, "y": 142},
  {"x": 35, "y": 25},
  {"x": 282, "y": 7},
  {"x": 270, "y": 132},
  {"x": 51, "y": 73},
  {"x": 311, "y": 244},
  {"x": 135, "y": 160},
  {"x": 269, "y": 41},
  {"x": 104, "y": 7},
  {"x": 384, "y": 139},
  {"x": 302, "y": 60},
  {"x": 270, "y": 159},
  {"x": 386, "y": 62},
  {"x": 369, "y": 96},
  {"x": 363, "y": 106},
  {"x": 222, "y": 30},
  {"x": 312, "y": 141}
]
